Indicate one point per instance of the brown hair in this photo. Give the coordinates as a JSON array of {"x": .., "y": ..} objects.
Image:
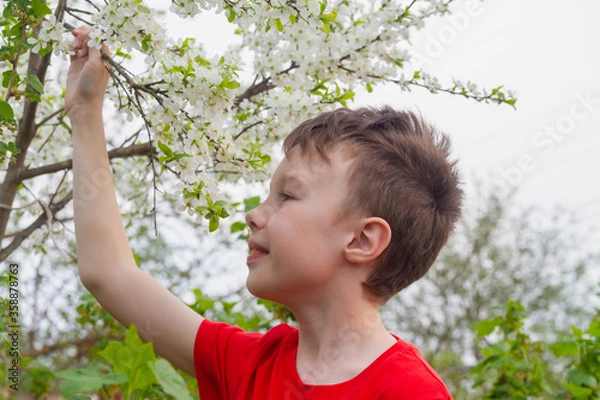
[{"x": 401, "y": 173}]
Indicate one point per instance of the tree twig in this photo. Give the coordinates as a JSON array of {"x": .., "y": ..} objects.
[
  {"x": 49, "y": 117},
  {"x": 41, "y": 220},
  {"x": 143, "y": 149}
]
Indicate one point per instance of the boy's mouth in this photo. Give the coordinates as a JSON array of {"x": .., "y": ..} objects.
[{"x": 256, "y": 252}]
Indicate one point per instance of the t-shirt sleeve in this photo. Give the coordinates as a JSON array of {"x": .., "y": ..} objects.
[
  {"x": 419, "y": 380},
  {"x": 219, "y": 353}
]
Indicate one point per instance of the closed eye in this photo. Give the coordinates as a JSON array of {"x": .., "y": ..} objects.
[{"x": 283, "y": 196}]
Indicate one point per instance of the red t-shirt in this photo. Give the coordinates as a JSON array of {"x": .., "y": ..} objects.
[{"x": 236, "y": 365}]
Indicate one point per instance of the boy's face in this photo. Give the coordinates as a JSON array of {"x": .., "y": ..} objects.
[{"x": 298, "y": 237}]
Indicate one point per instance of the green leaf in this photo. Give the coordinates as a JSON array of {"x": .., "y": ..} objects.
[
  {"x": 132, "y": 358},
  {"x": 40, "y": 8},
  {"x": 203, "y": 303},
  {"x": 6, "y": 110},
  {"x": 478, "y": 383},
  {"x": 238, "y": 227},
  {"x": 147, "y": 39},
  {"x": 565, "y": 349},
  {"x": 44, "y": 51},
  {"x": 231, "y": 15},
  {"x": 143, "y": 9},
  {"x": 577, "y": 332},
  {"x": 347, "y": 96},
  {"x": 278, "y": 24},
  {"x": 165, "y": 149},
  {"x": 329, "y": 17},
  {"x": 87, "y": 379},
  {"x": 577, "y": 391},
  {"x": 202, "y": 61},
  {"x": 171, "y": 382},
  {"x": 594, "y": 328},
  {"x": 7, "y": 13},
  {"x": 35, "y": 83},
  {"x": 251, "y": 203},
  {"x": 6, "y": 77},
  {"x": 484, "y": 328},
  {"x": 213, "y": 223},
  {"x": 581, "y": 378},
  {"x": 9, "y": 147},
  {"x": 32, "y": 95},
  {"x": 137, "y": 260},
  {"x": 16, "y": 29},
  {"x": 230, "y": 84}
]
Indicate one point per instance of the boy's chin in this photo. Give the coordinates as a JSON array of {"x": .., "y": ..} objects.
[
  {"x": 254, "y": 286},
  {"x": 258, "y": 288}
]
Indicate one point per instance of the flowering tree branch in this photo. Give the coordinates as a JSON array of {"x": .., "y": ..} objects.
[
  {"x": 141, "y": 149},
  {"x": 37, "y": 66},
  {"x": 198, "y": 112}
]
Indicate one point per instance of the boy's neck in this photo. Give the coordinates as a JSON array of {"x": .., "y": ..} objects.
[{"x": 337, "y": 342}]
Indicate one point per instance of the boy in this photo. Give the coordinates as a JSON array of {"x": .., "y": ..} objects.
[{"x": 359, "y": 209}]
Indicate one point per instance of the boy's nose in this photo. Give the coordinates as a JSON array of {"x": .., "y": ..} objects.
[{"x": 256, "y": 218}]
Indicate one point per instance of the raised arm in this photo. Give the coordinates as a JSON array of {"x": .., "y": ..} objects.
[{"x": 105, "y": 261}]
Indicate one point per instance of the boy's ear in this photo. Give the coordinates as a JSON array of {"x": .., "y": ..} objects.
[{"x": 370, "y": 240}]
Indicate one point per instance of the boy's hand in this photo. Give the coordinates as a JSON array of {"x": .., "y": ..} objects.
[{"x": 87, "y": 77}]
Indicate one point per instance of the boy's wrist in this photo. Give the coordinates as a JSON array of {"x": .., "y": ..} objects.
[{"x": 84, "y": 113}]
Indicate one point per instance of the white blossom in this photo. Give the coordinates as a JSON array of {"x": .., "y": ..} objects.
[{"x": 307, "y": 59}]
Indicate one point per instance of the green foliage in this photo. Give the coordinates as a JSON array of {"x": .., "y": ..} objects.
[
  {"x": 133, "y": 368},
  {"x": 169, "y": 155},
  {"x": 331, "y": 92},
  {"x": 18, "y": 22},
  {"x": 6, "y": 148},
  {"x": 171, "y": 382},
  {"x": 89, "y": 379},
  {"x": 497, "y": 253},
  {"x": 133, "y": 358},
  {"x": 255, "y": 315},
  {"x": 6, "y": 111},
  {"x": 582, "y": 349},
  {"x": 517, "y": 367},
  {"x": 239, "y": 227},
  {"x": 212, "y": 211},
  {"x": 513, "y": 365}
]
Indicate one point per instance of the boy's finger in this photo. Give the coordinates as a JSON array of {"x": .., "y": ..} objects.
[
  {"x": 81, "y": 30},
  {"x": 93, "y": 52},
  {"x": 105, "y": 49},
  {"x": 81, "y": 34},
  {"x": 85, "y": 49}
]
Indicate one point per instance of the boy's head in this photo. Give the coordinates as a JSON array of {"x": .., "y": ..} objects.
[{"x": 400, "y": 173}]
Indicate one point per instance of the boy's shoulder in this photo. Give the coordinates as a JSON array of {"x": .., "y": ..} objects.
[{"x": 407, "y": 368}]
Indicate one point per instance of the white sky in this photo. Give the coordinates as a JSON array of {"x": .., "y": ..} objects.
[{"x": 544, "y": 50}]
